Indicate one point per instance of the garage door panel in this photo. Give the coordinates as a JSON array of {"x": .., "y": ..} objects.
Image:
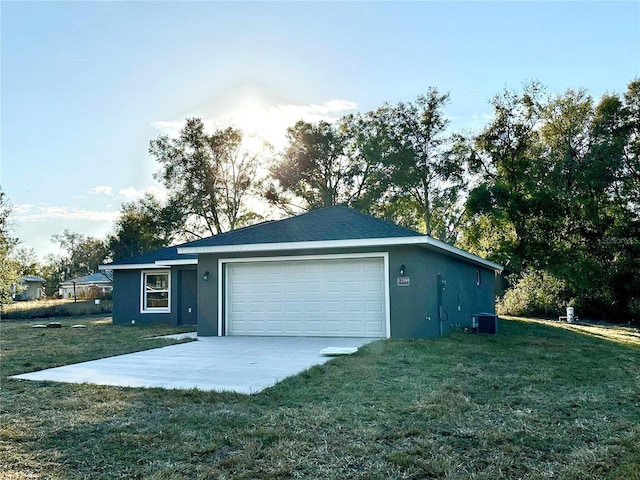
[
  {"x": 293, "y": 287},
  {"x": 275, "y": 307},
  {"x": 374, "y": 307},
  {"x": 312, "y": 307},
  {"x": 333, "y": 307},
  {"x": 313, "y": 287},
  {"x": 332, "y": 297},
  {"x": 353, "y": 267},
  {"x": 294, "y": 307},
  {"x": 352, "y": 287}
]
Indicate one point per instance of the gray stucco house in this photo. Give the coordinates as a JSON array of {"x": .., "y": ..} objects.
[
  {"x": 329, "y": 272},
  {"x": 32, "y": 288},
  {"x": 87, "y": 286}
]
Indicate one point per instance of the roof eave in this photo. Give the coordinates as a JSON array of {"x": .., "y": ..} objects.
[
  {"x": 156, "y": 264},
  {"x": 422, "y": 240},
  {"x": 450, "y": 249},
  {"x": 131, "y": 266},
  {"x": 182, "y": 261}
]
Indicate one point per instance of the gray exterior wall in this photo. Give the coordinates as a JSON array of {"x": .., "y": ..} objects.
[
  {"x": 414, "y": 308},
  {"x": 32, "y": 291},
  {"x": 127, "y": 291},
  {"x": 414, "y": 311}
]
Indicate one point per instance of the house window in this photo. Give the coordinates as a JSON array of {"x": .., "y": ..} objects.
[
  {"x": 156, "y": 292},
  {"x": 478, "y": 277}
]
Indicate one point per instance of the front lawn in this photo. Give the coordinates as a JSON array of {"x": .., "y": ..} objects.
[{"x": 534, "y": 402}]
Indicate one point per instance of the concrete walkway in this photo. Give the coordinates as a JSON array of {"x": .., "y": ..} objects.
[{"x": 237, "y": 364}]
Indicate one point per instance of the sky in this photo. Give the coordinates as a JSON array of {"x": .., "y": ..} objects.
[{"x": 85, "y": 86}]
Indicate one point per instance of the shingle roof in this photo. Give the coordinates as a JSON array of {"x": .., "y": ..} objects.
[
  {"x": 168, "y": 253},
  {"x": 331, "y": 223},
  {"x": 91, "y": 278},
  {"x": 338, "y": 225},
  {"x": 32, "y": 278}
]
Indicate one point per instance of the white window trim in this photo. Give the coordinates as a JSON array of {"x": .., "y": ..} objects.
[
  {"x": 222, "y": 280},
  {"x": 143, "y": 296}
]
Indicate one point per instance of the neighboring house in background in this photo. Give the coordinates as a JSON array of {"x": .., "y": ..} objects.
[
  {"x": 90, "y": 286},
  {"x": 328, "y": 272},
  {"x": 33, "y": 288}
]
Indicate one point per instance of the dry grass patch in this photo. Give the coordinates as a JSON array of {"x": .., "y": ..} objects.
[
  {"x": 54, "y": 308},
  {"x": 607, "y": 331}
]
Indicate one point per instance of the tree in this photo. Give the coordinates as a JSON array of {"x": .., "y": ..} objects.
[
  {"x": 321, "y": 166},
  {"x": 27, "y": 260},
  {"x": 503, "y": 160},
  {"x": 629, "y": 179},
  {"x": 396, "y": 162},
  {"x": 553, "y": 198},
  {"x": 144, "y": 225},
  {"x": 209, "y": 176},
  {"x": 10, "y": 275},
  {"x": 54, "y": 271},
  {"x": 83, "y": 254},
  {"x": 424, "y": 168}
]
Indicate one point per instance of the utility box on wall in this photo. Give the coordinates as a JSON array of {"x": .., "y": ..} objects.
[{"x": 485, "y": 322}]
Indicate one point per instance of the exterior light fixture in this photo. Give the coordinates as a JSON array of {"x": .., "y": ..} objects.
[
  {"x": 205, "y": 277},
  {"x": 402, "y": 270}
]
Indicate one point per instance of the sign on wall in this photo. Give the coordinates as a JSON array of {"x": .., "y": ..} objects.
[{"x": 403, "y": 281}]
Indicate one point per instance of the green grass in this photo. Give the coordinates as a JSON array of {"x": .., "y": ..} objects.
[{"x": 533, "y": 402}]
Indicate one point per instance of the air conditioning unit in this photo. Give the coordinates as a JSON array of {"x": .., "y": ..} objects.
[{"x": 485, "y": 322}]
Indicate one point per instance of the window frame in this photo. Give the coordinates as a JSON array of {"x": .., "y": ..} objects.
[{"x": 144, "y": 308}]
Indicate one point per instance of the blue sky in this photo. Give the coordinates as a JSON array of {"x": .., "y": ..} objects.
[{"x": 86, "y": 85}]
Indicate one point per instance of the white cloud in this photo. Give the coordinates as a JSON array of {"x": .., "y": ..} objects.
[
  {"x": 169, "y": 128},
  {"x": 269, "y": 122},
  {"x": 133, "y": 193},
  {"x": 130, "y": 192},
  {"x": 101, "y": 189},
  {"x": 30, "y": 213}
]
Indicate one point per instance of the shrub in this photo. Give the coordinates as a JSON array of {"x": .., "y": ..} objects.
[{"x": 536, "y": 292}]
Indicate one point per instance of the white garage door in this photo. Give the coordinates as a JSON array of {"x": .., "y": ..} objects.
[{"x": 331, "y": 297}]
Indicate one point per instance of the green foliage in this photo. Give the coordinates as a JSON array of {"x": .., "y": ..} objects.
[
  {"x": 557, "y": 194},
  {"x": 325, "y": 164},
  {"x": 536, "y": 292},
  {"x": 82, "y": 256},
  {"x": 145, "y": 225},
  {"x": 10, "y": 269},
  {"x": 27, "y": 259},
  {"x": 209, "y": 176},
  {"x": 397, "y": 162},
  {"x": 423, "y": 163}
]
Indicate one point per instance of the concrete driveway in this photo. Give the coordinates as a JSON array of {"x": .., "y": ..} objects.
[{"x": 237, "y": 364}]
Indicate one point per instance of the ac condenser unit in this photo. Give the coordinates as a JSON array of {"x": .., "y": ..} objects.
[{"x": 485, "y": 322}]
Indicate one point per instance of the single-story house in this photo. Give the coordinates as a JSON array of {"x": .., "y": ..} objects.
[
  {"x": 32, "y": 288},
  {"x": 88, "y": 286},
  {"x": 329, "y": 272}
]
